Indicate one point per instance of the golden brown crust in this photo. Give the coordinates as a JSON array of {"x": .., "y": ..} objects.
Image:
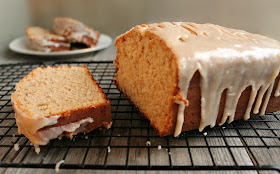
[{"x": 101, "y": 115}]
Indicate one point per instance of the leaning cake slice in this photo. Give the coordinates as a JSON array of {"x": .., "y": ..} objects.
[
  {"x": 59, "y": 101},
  {"x": 185, "y": 76}
]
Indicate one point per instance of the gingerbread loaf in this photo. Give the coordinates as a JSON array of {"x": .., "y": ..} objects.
[
  {"x": 59, "y": 101},
  {"x": 184, "y": 76}
]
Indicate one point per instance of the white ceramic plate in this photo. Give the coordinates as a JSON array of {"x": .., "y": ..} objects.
[{"x": 19, "y": 46}]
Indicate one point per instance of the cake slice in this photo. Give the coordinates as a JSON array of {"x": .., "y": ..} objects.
[
  {"x": 41, "y": 39},
  {"x": 185, "y": 76},
  {"x": 75, "y": 31},
  {"x": 59, "y": 101}
]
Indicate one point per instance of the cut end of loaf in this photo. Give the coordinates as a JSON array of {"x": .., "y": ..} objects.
[{"x": 146, "y": 74}]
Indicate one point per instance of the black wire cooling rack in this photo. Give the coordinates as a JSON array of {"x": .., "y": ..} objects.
[{"x": 132, "y": 144}]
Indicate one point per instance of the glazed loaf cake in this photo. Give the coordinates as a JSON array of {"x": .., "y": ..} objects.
[
  {"x": 59, "y": 101},
  {"x": 185, "y": 76}
]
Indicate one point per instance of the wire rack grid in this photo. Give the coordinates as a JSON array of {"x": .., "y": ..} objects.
[{"x": 132, "y": 144}]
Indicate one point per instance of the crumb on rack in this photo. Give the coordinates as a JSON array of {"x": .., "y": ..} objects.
[
  {"x": 109, "y": 149},
  {"x": 205, "y": 133},
  {"x": 60, "y": 137},
  {"x": 148, "y": 143},
  {"x": 16, "y": 147},
  {"x": 109, "y": 125},
  {"x": 58, "y": 165},
  {"x": 159, "y": 147}
]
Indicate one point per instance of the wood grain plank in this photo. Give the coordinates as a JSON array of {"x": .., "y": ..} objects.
[
  {"x": 159, "y": 157},
  {"x": 201, "y": 157},
  {"x": 96, "y": 156},
  {"x": 180, "y": 157},
  {"x": 54, "y": 155},
  {"x": 119, "y": 141},
  {"x": 138, "y": 157},
  {"x": 22, "y": 150},
  {"x": 251, "y": 138},
  {"x": 33, "y": 158},
  {"x": 275, "y": 124},
  {"x": 75, "y": 156},
  {"x": 117, "y": 156},
  {"x": 240, "y": 154},
  {"x": 11, "y": 141},
  {"x": 266, "y": 156},
  {"x": 79, "y": 171},
  {"x": 177, "y": 141}
]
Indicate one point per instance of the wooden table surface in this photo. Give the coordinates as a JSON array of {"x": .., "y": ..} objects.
[{"x": 247, "y": 151}]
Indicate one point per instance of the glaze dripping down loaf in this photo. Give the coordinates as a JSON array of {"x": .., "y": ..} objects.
[{"x": 185, "y": 76}]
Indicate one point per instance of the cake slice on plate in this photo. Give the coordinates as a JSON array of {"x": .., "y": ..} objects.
[
  {"x": 75, "y": 31},
  {"x": 41, "y": 39},
  {"x": 59, "y": 101}
]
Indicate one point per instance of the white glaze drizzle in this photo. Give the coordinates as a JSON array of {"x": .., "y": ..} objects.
[
  {"x": 226, "y": 59},
  {"x": 46, "y": 42},
  {"x": 32, "y": 123},
  {"x": 262, "y": 91},
  {"x": 267, "y": 97},
  {"x": 78, "y": 35},
  {"x": 30, "y": 126},
  {"x": 44, "y": 136},
  {"x": 180, "y": 117},
  {"x": 250, "y": 103}
]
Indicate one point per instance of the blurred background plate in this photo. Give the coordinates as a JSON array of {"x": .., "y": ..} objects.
[{"x": 19, "y": 46}]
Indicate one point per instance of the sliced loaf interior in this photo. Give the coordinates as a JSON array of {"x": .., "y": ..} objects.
[
  {"x": 50, "y": 91},
  {"x": 146, "y": 73}
]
